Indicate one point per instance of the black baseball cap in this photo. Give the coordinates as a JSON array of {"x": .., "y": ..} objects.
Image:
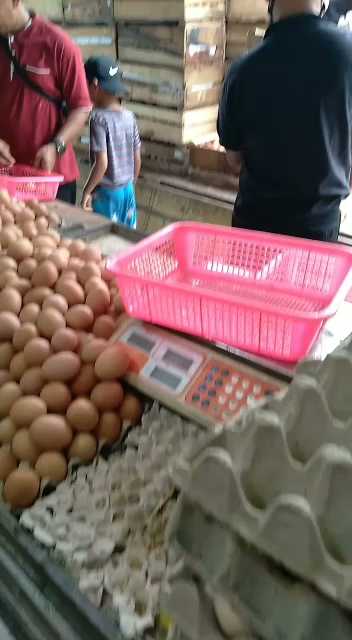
[{"x": 108, "y": 74}]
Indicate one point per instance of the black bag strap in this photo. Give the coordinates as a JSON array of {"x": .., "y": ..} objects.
[{"x": 22, "y": 73}]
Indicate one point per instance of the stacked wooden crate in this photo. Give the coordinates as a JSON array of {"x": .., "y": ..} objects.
[
  {"x": 246, "y": 22},
  {"x": 172, "y": 54}
]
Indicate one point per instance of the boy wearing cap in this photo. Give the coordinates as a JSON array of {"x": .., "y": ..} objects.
[{"x": 115, "y": 146}]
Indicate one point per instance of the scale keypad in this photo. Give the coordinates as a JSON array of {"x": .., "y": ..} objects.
[{"x": 222, "y": 391}]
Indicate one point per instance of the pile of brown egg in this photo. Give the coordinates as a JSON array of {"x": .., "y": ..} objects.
[{"x": 60, "y": 389}]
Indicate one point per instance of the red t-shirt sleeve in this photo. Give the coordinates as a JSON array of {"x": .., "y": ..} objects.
[{"x": 72, "y": 77}]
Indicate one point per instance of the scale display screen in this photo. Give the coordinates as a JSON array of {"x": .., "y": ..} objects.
[
  {"x": 141, "y": 342},
  {"x": 165, "y": 377},
  {"x": 177, "y": 360}
]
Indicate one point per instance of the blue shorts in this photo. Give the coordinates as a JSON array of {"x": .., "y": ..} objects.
[{"x": 119, "y": 205}]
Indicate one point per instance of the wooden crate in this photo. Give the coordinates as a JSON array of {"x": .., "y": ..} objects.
[
  {"x": 169, "y": 10},
  {"x": 247, "y": 11},
  {"x": 172, "y": 45},
  {"x": 51, "y": 9},
  {"x": 158, "y": 156},
  {"x": 195, "y": 126},
  {"x": 88, "y": 11},
  {"x": 239, "y": 37},
  {"x": 94, "y": 41},
  {"x": 180, "y": 89},
  {"x": 255, "y": 37}
]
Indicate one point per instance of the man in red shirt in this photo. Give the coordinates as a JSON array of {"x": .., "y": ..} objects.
[{"x": 32, "y": 128}]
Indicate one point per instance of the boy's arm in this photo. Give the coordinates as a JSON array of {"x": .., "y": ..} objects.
[
  {"x": 96, "y": 175},
  {"x": 137, "y": 163}
]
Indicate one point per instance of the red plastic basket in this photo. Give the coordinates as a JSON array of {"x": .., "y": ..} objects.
[
  {"x": 27, "y": 183},
  {"x": 261, "y": 292}
]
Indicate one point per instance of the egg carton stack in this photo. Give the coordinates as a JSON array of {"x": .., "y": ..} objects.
[
  {"x": 279, "y": 481},
  {"x": 108, "y": 521}
]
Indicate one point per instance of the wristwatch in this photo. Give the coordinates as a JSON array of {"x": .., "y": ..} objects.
[{"x": 60, "y": 146}]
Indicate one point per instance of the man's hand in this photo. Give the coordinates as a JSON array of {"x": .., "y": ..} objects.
[
  {"x": 46, "y": 158},
  {"x": 5, "y": 155},
  {"x": 86, "y": 203}
]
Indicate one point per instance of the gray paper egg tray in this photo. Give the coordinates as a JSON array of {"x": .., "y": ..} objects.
[{"x": 281, "y": 480}]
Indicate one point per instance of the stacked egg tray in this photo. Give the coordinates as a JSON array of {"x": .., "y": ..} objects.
[
  {"x": 279, "y": 481},
  {"x": 107, "y": 521}
]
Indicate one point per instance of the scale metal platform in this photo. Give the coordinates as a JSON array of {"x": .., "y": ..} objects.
[{"x": 189, "y": 378}]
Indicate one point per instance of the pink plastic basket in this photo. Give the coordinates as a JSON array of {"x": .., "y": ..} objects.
[
  {"x": 27, "y": 183},
  {"x": 264, "y": 293}
]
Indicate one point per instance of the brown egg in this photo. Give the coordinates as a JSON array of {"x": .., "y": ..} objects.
[
  {"x": 24, "y": 334},
  {"x": 64, "y": 340},
  {"x": 9, "y": 323},
  {"x": 131, "y": 409},
  {"x": 65, "y": 243},
  {"x": 51, "y": 432},
  {"x": 36, "y": 352},
  {"x": 112, "y": 363},
  {"x": 82, "y": 415},
  {"x": 20, "y": 249},
  {"x": 27, "y": 409},
  {"x": 4, "y": 376},
  {"x": 22, "y": 285},
  {"x": 21, "y": 488},
  {"x": 8, "y": 237},
  {"x": 6, "y": 354},
  {"x": 37, "y": 295},
  {"x": 7, "y": 430},
  {"x": 62, "y": 367},
  {"x": 84, "y": 337},
  {"x": 107, "y": 396},
  {"x": 52, "y": 466},
  {"x": 8, "y": 278},
  {"x": 30, "y": 313},
  {"x": 27, "y": 267},
  {"x": 25, "y": 215},
  {"x": 7, "y": 264},
  {"x": 56, "y": 301},
  {"x": 109, "y": 428},
  {"x": 18, "y": 366},
  {"x": 91, "y": 254},
  {"x": 98, "y": 299},
  {"x": 45, "y": 275},
  {"x": 49, "y": 322},
  {"x": 42, "y": 224},
  {"x": 104, "y": 327},
  {"x": 6, "y": 217},
  {"x": 44, "y": 240},
  {"x": 52, "y": 233},
  {"x": 68, "y": 274},
  {"x": 85, "y": 381},
  {"x": 71, "y": 291},
  {"x": 94, "y": 283},
  {"x": 83, "y": 447},
  {"x": 75, "y": 264},
  {"x": 76, "y": 248},
  {"x": 10, "y": 300},
  {"x": 56, "y": 396},
  {"x": 54, "y": 219},
  {"x": 89, "y": 270},
  {"x": 24, "y": 448},
  {"x": 29, "y": 230},
  {"x": 80, "y": 317},
  {"x": 8, "y": 462},
  {"x": 32, "y": 381},
  {"x": 42, "y": 254},
  {"x": 92, "y": 350},
  {"x": 60, "y": 258}
]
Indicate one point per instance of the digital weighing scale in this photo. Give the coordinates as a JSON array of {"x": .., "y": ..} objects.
[{"x": 189, "y": 378}]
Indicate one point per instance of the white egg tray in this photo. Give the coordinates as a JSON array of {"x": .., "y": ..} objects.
[
  {"x": 108, "y": 520},
  {"x": 281, "y": 480}
]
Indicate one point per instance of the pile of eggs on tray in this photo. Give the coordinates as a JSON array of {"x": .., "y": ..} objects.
[{"x": 60, "y": 395}]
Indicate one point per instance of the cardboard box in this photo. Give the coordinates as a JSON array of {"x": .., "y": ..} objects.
[
  {"x": 94, "y": 41},
  {"x": 51, "y": 9},
  {"x": 241, "y": 37},
  {"x": 169, "y": 10},
  {"x": 88, "y": 11},
  {"x": 173, "y": 45},
  {"x": 247, "y": 11}
]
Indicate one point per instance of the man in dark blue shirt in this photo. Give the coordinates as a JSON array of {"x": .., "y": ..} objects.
[{"x": 286, "y": 121}]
